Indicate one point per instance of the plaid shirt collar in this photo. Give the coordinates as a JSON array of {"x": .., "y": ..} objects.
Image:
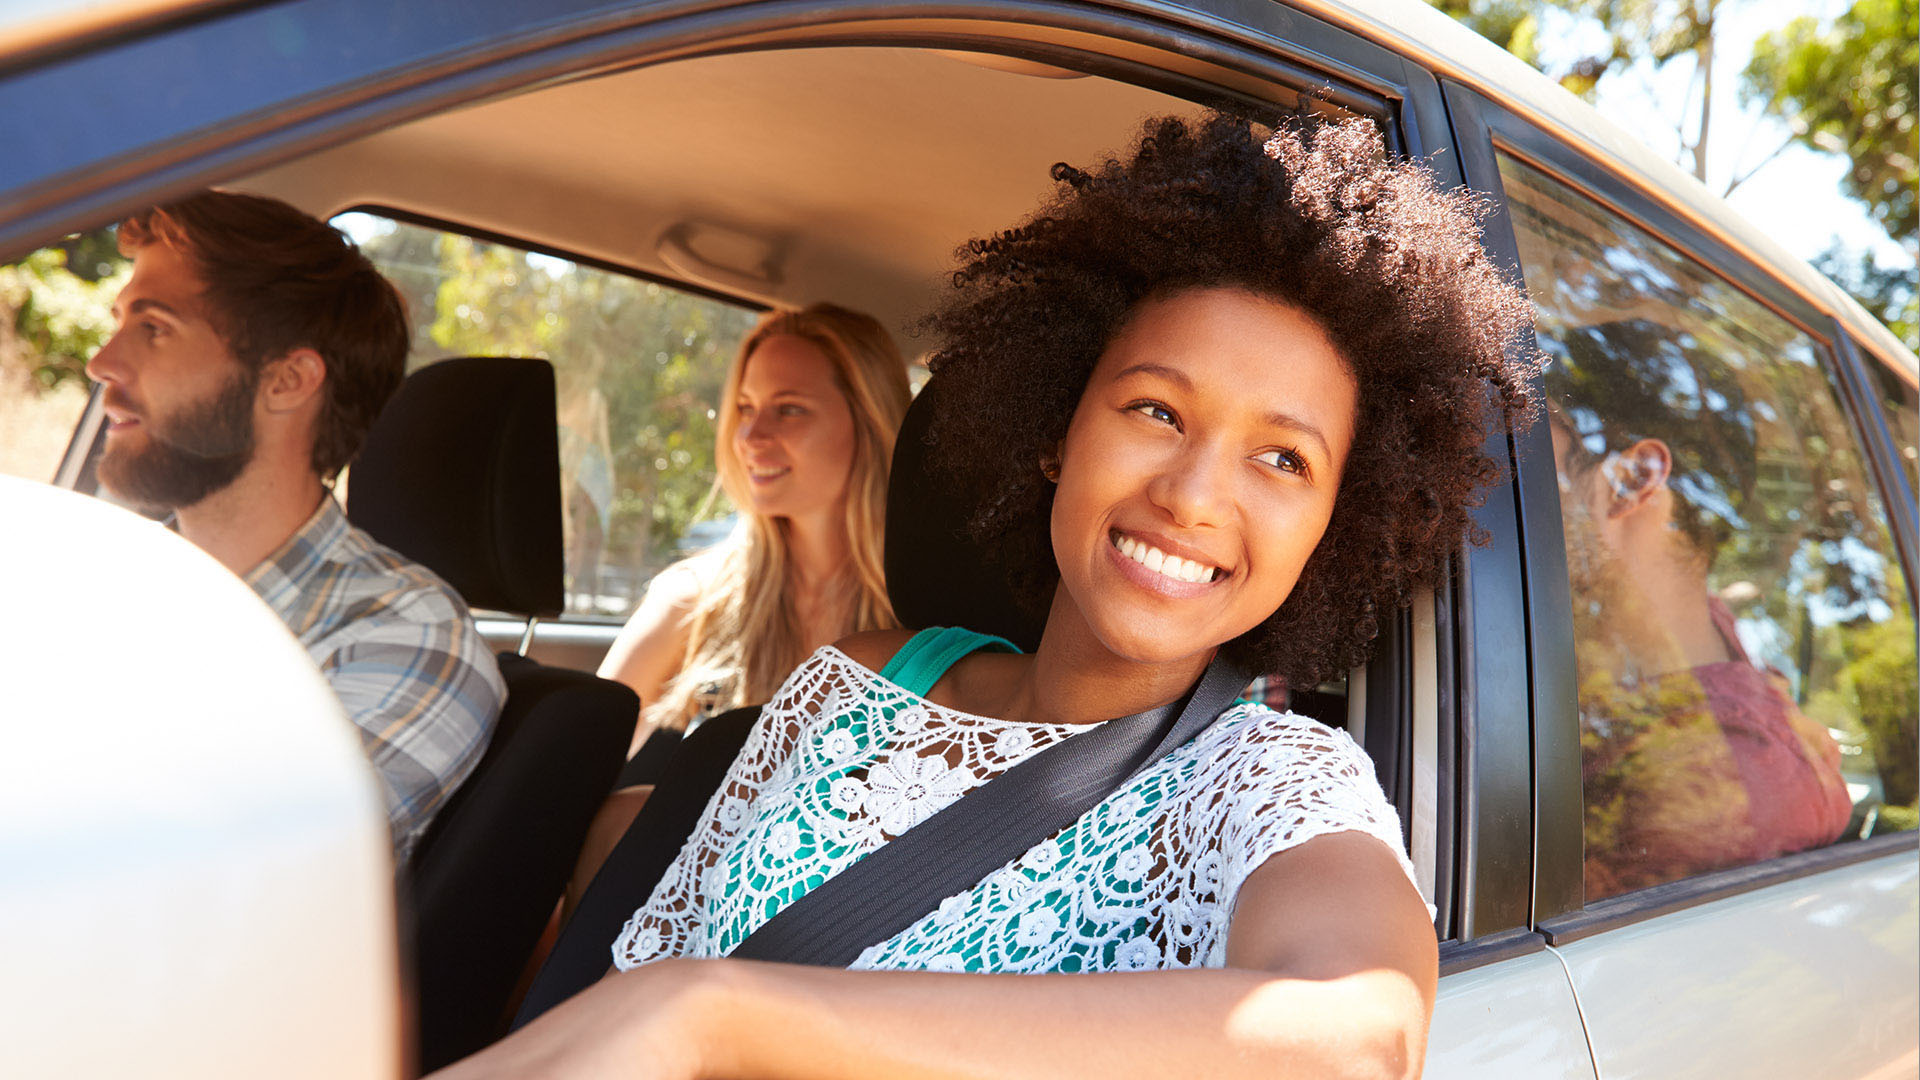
[{"x": 280, "y": 576}]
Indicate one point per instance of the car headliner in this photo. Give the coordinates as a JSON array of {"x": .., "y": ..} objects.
[{"x": 854, "y": 171}]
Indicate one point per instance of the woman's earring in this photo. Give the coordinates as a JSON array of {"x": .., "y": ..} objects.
[{"x": 1050, "y": 468}]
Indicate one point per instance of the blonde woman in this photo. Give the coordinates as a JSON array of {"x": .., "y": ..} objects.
[{"x": 806, "y": 430}]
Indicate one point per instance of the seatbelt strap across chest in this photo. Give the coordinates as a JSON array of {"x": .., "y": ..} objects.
[{"x": 894, "y": 886}]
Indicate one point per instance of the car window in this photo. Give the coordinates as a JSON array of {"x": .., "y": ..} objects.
[
  {"x": 1744, "y": 645},
  {"x": 638, "y": 367},
  {"x": 56, "y": 308}
]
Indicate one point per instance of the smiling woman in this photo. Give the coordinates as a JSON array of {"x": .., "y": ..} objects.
[
  {"x": 1373, "y": 265},
  {"x": 805, "y": 433},
  {"x": 1200, "y": 469},
  {"x": 1172, "y": 391}
]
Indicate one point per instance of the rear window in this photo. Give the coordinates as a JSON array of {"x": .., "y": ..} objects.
[{"x": 638, "y": 367}]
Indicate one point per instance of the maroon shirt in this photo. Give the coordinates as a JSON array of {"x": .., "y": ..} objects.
[{"x": 1700, "y": 770}]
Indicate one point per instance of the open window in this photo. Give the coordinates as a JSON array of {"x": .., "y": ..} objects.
[{"x": 780, "y": 163}]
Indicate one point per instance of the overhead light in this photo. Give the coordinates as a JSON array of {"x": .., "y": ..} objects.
[{"x": 722, "y": 256}]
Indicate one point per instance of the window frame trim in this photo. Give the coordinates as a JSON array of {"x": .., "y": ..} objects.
[
  {"x": 1666, "y": 898},
  {"x": 1502, "y": 701},
  {"x": 348, "y": 87}
]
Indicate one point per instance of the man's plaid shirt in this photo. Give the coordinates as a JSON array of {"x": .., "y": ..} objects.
[{"x": 399, "y": 649}]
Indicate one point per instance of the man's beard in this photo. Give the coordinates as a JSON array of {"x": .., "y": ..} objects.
[{"x": 190, "y": 454}]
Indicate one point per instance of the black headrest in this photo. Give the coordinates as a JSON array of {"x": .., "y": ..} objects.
[
  {"x": 936, "y": 574},
  {"x": 461, "y": 473}
]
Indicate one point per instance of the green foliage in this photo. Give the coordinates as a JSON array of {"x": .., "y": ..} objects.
[
  {"x": 1849, "y": 86},
  {"x": 638, "y": 368},
  {"x": 1514, "y": 25},
  {"x": 1882, "y": 679},
  {"x": 1654, "y": 30},
  {"x": 1632, "y": 30},
  {"x": 1888, "y": 295},
  {"x": 56, "y": 307}
]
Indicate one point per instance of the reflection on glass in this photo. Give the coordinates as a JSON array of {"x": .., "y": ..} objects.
[
  {"x": 637, "y": 367},
  {"x": 1742, "y": 631}
]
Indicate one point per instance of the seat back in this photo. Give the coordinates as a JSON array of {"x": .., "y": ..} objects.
[
  {"x": 497, "y": 857},
  {"x": 462, "y": 473},
  {"x": 937, "y": 575}
]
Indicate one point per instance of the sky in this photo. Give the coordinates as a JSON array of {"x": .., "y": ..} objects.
[{"x": 1797, "y": 195}]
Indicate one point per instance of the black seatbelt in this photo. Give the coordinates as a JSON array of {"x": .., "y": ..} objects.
[
  {"x": 892, "y": 887},
  {"x": 583, "y": 951}
]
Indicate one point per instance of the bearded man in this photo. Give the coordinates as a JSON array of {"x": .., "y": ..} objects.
[{"x": 255, "y": 347}]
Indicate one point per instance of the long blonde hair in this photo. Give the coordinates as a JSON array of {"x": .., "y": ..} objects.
[{"x": 743, "y": 637}]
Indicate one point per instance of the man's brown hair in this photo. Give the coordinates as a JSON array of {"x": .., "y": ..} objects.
[{"x": 277, "y": 280}]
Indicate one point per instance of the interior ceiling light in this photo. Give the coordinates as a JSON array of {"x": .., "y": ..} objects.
[{"x": 719, "y": 255}]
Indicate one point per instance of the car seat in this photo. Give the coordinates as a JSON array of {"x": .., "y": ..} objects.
[
  {"x": 462, "y": 473},
  {"x": 937, "y": 575}
]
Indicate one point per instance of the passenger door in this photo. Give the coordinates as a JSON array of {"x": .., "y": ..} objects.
[{"x": 1723, "y": 628}]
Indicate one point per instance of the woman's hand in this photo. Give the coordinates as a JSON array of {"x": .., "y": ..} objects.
[{"x": 648, "y": 1023}]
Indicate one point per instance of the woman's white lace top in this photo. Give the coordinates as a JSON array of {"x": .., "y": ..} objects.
[{"x": 842, "y": 760}]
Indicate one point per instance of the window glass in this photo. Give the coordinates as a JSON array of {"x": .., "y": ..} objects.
[
  {"x": 56, "y": 308},
  {"x": 1745, "y": 648},
  {"x": 638, "y": 368}
]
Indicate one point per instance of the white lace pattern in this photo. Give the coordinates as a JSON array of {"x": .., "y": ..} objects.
[{"x": 842, "y": 761}]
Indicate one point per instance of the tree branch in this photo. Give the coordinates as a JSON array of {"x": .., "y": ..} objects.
[{"x": 1763, "y": 162}]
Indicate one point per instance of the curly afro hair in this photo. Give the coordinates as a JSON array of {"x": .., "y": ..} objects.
[{"x": 1390, "y": 266}]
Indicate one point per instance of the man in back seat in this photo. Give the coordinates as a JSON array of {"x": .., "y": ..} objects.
[{"x": 255, "y": 347}]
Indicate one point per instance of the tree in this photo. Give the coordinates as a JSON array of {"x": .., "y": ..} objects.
[
  {"x": 1514, "y": 25},
  {"x": 1889, "y": 295},
  {"x": 56, "y": 307},
  {"x": 1848, "y": 87},
  {"x": 1656, "y": 31},
  {"x": 1845, "y": 87}
]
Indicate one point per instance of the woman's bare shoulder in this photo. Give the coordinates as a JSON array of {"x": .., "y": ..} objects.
[
  {"x": 684, "y": 582},
  {"x": 872, "y": 649}
]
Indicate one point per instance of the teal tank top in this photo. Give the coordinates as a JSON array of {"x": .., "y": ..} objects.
[{"x": 928, "y": 654}]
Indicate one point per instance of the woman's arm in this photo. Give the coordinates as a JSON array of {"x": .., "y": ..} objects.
[
  {"x": 649, "y": 650},
  {"x": 1333, "y": 972}
]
